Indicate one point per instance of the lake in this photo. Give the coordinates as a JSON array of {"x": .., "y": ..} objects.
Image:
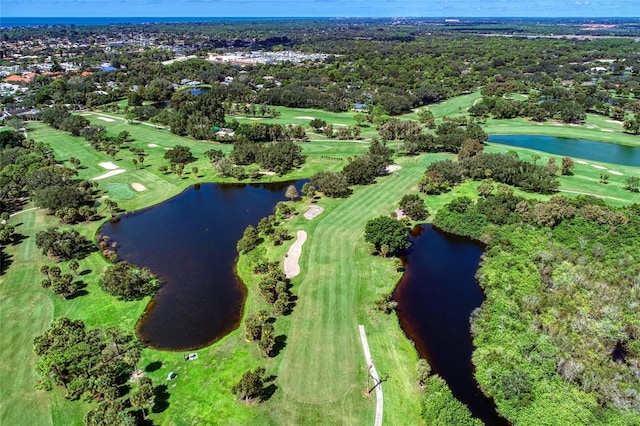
[
  {"x": 575, "y": 148},
  {"x": 436, "y": 296},
  {"x": 189, "y": 241}
]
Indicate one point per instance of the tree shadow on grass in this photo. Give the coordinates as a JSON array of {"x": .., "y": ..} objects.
[
  {"x": 5, "y": 261},
  {"x": 153, "y": 366},
  {"x": 279, "y": 344},
  {"x": 267, "y": 391},
  {"x": 161, "y": 399}
]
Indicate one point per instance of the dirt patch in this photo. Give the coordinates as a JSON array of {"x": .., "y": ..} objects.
[
  {"x": 312, "y": 212},
  {"x": 392, "y": 168},
  {"x": 109, "y": 165},
  {"x": 109, "y": 174},
  {"x": 291, "y": 265},
  {"x": 138, "y": 187},
  {"x": 107, "y": 119}
]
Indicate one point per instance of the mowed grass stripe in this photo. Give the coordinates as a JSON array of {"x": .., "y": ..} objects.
[{"x": 324, "y": 330}]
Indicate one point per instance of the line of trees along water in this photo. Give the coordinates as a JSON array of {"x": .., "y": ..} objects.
[
  {"x": 189, "y": 241},
  {"x": 557, "y": 337},
  {"x": 435, "y": 297}
]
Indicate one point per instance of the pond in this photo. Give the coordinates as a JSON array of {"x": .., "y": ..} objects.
[
  {"x": 575, "y": 148},
  {"x": 199, "y": 91},
  {"x": 436, "y": 296},
  {"x": 189, "y": 241}
]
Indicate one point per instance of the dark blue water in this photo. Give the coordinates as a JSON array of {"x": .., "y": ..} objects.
[
  {"x": 575, "y": 148},
  {"x": 84, "y": 21},
  {"x": 189, "y": 241},
  {"x": 436, "y": 296}
]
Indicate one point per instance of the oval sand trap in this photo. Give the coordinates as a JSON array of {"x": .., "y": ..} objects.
[
  {"x": 312, "y": 212},
  {"x": 305, "y": 117},
  {"x": 107, "y": 119},
  {"x": 291, "y": 265},
  {"x": 138, "y": 187},
  {"x": 613, "y": 172},
  {"x": 152, "y": 145},
  {"x": 392, "y": 168}
]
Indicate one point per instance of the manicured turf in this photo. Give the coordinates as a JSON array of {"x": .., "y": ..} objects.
[{"x": 319, "y": 373}]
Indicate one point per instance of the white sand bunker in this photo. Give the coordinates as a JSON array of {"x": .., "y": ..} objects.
[
  {"x": 607, "y": 130},
  {"x": 138, "y": 187},
  {"x": 312, "y": 212},
  {"x": 595, "y": 166},
  {"x": 400, "y": 214},
  {"x": 109, "y": 165},
  {"x": 305, "y": 117},
  {"x": 291, "y": 265},
  {"x": 614, "y": 121},
  {"x": 268, "y": 173},
  {"x": 107, "y": 119},
  {"x": 152, "y": 145},
  {"x": 392, "y": 168},
  {"x": 109, "y": 174},
  {"x": 613, "y": 172},
  {"x": 581, "y": 162}
]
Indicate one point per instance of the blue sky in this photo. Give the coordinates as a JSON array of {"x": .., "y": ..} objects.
[{"x": 329, "y": 8}]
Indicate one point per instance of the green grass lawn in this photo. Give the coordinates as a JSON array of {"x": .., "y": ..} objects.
[{"x": 320, "y": 374}]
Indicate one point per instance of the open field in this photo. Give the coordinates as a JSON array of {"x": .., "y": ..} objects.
[{"x": 320, "y": 373}]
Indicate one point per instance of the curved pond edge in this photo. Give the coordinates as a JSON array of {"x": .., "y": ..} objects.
[
  {"x": 435, "y": 318},
  {"x": 231, "y": 281}
]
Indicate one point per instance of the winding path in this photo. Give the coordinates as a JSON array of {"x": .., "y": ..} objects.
[{"x": 374, "y": 374}]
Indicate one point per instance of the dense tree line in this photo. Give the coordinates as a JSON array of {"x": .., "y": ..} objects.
[
  {"x": 576, "y": 260},
  {"x": 129, "y": 282}
]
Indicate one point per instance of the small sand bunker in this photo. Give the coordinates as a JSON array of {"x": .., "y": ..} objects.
[
  {"x": 614, "y": 121},
  {"x": 268, "y": 173},
  {"x": 109, "y": 165},
  {"x": 392, "y": 168},
  {"x": 595, "y": 166},
  {"x": 305, "y": 117},
  {"x": 138, "y": 187},
  {"x": 312, "y": 212},
  {"x": 607, "y": 130},
  {"x": 107, "y": 119},
  {"x": 152, "y": 145},
  {"x": 109, "y": 174},
  {"x": 291, "y": 265},
  {"x": 613, "y": 172},
  {"x": 400, "y": 214},
  {"x": 581, "y": 162}
]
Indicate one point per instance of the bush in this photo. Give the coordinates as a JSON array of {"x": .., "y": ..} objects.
[{"x": 129, "y": 282}]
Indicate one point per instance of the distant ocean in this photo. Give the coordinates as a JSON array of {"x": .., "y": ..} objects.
[{"x": 43, "y": 22}]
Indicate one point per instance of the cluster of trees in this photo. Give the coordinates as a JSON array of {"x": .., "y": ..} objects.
[
  {"x": 586, "y": 276},
  {"x": 414, "y": 207},
  {"x": 387, "y": 235},
  {"x": 63, "y": 244},
  {"x": 94, "y": 363},
  {"x": 463, "y": 138},
  {"x": 362, "y": 170},
  {"x": 129, "y": 282},
  {"x": 280, "y": 157},
  {"x": 63, "y": 284},
  {"x": 441, "y": 176}
]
